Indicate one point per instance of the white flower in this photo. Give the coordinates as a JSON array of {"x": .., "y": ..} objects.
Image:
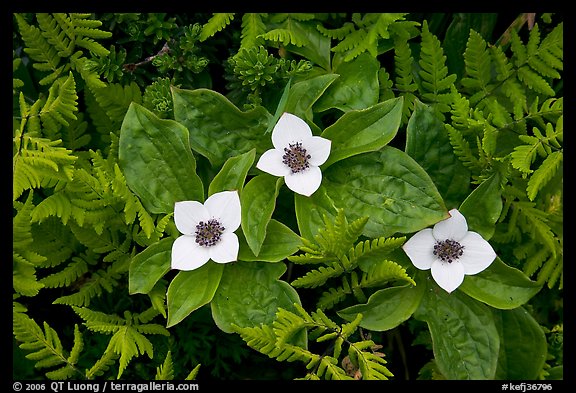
[
  {"x": 450, "y": 251},
  {"x": 296, "y": 156},
  {"x": 207, "y": 231}
]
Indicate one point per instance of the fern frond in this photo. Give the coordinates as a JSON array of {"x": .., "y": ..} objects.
[
  {"x": 60, "y": 104},
  {"x": 435, "y": 81},
  {"x": 477, "y": 62},
  {"x": 371, "y": 364},
  {"x": 165, "y": 372},
  {"x": 38, "y": 161},
  {"x": 336, "y": 238},
  {"x": 544, "y": 174},
  {"x": 284, "y": 36},
  {"x": 333, "y": 296},
  {"x": 252, "y": 29},
  {"x": 128, "y": 335},
  {"x": 384, "y": 272},
  {"x": 74, "y": 270},
  {"x": 315, "y": 278},
  {"x": 216, "y": 23},
  {"x": 45, "y": 347},
  {"x": 102, "y": 365},
  {"x": 338, "y": 33}
]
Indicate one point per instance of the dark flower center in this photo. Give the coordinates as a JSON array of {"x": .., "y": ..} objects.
[
  {"x": 448, "y": 250},
  {"x": 295, "y": 157},
  {"x": 209, "y": 233}
]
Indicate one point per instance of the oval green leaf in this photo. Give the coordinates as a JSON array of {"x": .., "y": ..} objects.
[
  {"x": 386, "y": 308},
  {"x": 218, "y": 129},
  {"x": 427, "y": 142},
  {"x": 465, "y": 339},
  {"x": 190, "y": 290},
  {"x": 523, "y": 345},
  {"x": 149, "y": 266},
  {"x": 389, "y": 187},
  {"x": 279, "y": 243},
  {"x": 311, "y": 210},
  {"x": 483, "y": 206},
  {"x": 362, "y": 131},
  {"x": 250, "y": 293},
  {"x": 155, "y": 157},
  {"x": 356, "y": 88},
  {"x": 258, "y": 201},
  {"x": 500, "y": 286},
  {"x": 233, "y": 173}
]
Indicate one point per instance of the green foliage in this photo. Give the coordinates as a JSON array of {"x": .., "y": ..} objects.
[
  {"x": 85, "y": 218},
  {"x": 360, "y": 265},
  {"x": 45, "y": 347},
  {"x": 276, "y": 341}
]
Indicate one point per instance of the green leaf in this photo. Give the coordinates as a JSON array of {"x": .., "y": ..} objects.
[
  {"x": 428, "y": 143},
  {"x": 386, "y": 308},
  {"x": 258, "y": 201},
  {"x": 190, "y": 290},
  {"x": 500, "y": 286},
  {"x": 356, "y": 88},
  {"x": 280, "y": 107},
  {"x": 250, "y": 294},
  {"x": 362, "y": 131},
  {"x": 305, "y": 93},
  {"x": 389, "y": 187},
  {"x": 150, "y": 265},
  {"x": 218, "y": 129},
  {"x": 523, "y": 346},
  {"x": 279, "y": 243},
  {"x": 316, "y": 46},
  {"x": 156, "y": 159},
  {"x": 465, "y": 339},
  {"x": 483, "y": 206},
  {"x": 311, "y": 210},
  {"x": 233, "y": 173}
]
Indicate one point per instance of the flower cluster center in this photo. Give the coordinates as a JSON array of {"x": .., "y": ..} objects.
[
  {"x": 209, "y": 233},
  {"x": 448, "y": 250},
  {"x": 296, "y": 157}
]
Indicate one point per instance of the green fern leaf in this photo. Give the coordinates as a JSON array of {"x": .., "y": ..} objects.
[
  {"x": 477, "y": 62},
  {"x": 165, "y": 372},
  {"x": 215, "y": 24},
  {"x": 45, "y": 347},
  {"x": 60, "y": 104},
  {"x": 434, "y": 72},
  {"x": 384, "y": 272},
  {"x": 284, "y": 36},
  {"x": 315, "y": 278},
  {"x": 338, "y": 33},
  {"x": 66, "y": 276},
  {"x": 192, "y": 375},
  {"x": 252, "y": 29},
  {"x": 543, "y": 174},
  {"x": 102, "y": 365}
]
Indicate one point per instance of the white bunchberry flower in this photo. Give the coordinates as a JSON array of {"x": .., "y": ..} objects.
[
  {"x": 450, "y": 251},
  {"x": 296, "y": 156},
  {"x": 207, "y": 231}
]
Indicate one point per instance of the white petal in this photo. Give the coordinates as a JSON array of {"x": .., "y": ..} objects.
[
  {"x": 225, "y": 207},
  {"x": 455, "y": 227},
  {"x": 289, "y": 129},
  {"x": 318, "y": 148},
  {"x": 448, "y": 276},
  {"x": 419, "y": 249},
  {"x": 271, "y": 162},
  {"x": 478, "y": 253},
  {"x": 226, "y": 250},
  {"x": 305, "y": 182},
  {"x": 187, "y": 254},
  {"x": 187, "y": 214}
]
